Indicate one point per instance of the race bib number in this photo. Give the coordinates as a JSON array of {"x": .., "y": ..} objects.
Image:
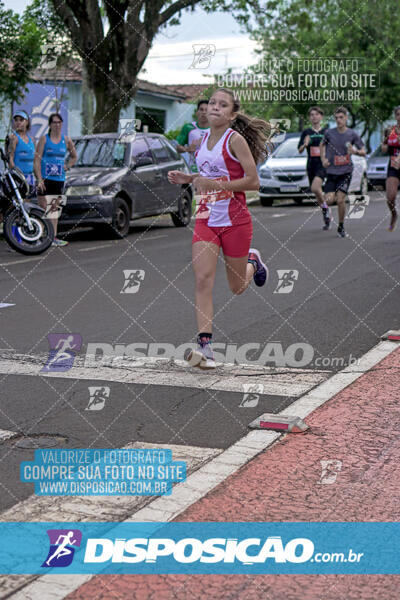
[
  {"x": 315, "y": 151},
  {"x": 30, "y": 179},
  {"x": 339, "y": 160},
  {"x": 53, "y": 170},
  {"x": 203, "y": 209},
  {"x": 393, "y": 139},
  {"x": 216, "y": 195},
  {"x": 205, "y": 200},
  {"x": 395, "y": 162}
]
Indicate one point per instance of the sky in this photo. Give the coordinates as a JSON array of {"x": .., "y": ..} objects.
[{"x": 172, "y": 59}]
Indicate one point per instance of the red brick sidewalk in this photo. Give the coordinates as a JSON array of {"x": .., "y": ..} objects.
[{"x": 360, "y": 428}]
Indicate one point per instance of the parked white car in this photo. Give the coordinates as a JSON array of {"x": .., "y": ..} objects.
[{"x": 284, "y": 175}]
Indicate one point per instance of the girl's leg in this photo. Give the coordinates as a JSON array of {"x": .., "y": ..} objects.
[
  {"x": 392, "y": 184},
  {"x": 204, "y": 257},
  {"x": 239, "y": 270},
  {"x": 239, "y": 273}
]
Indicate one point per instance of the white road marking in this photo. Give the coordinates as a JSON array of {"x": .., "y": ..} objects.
[
  {"x": 6, "y": 435},
  {"x": 101, "y": 508},
  {"x": 144, "y": 239},
  {"x": 214, "y": 472},
  {"x": 94, "y": 248},
  {"x": 153, "y": 237},
  {"x": 283, "y": 381},
  {"x": 19, "y": 262},
  {"x": 83, "y": 508},
  {"x": 5, "y": 304}
]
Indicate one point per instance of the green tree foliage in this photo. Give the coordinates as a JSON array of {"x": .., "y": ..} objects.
[
  {"x": 113, "y": 39},
  {"x": 365, "y": 29},
  {"x": 20, "y": 51}
]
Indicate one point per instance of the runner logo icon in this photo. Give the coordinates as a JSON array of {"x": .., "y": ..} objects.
[
  {"x": 129, "y": 126},
  {"x": 98, "y": 397},
  {"x": 357, "y": 206},
  {"x": 279, "y": 129},
  {"x": 63, "y": 347},
  {"x": 287, "y": 279},
  {"x": 62, "y": 550},
  {"x": 251, "y": 395},
  {"x": 330, "y": 470},
  {"x": 203, "y": 54},
  {"x": 133, "y": 279},
  {"x": 49, "y": 56}
]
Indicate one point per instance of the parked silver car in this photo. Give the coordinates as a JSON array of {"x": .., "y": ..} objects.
[
  {"x": 377, "y": 165},
  {"x": 284, "y": 175}
]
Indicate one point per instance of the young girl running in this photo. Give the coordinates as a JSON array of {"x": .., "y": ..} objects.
[
  {"x": 391, "y": 143},
  {"x": 226, "y": 161}
]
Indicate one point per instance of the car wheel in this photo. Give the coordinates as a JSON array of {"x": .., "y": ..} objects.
[
  {"x": 182, "y": 217},
  {"x": 298, "y": 201},
  {"x": 266, "y": 201},
  {"x": 119, "y": 227}
]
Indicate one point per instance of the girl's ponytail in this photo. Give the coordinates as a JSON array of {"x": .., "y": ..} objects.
[{"x": 256, "y": 132}]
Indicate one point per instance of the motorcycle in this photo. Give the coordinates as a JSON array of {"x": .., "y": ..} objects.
[{"x": 25, "y": 227}]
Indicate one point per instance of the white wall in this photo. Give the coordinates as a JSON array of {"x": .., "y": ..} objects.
[
  {"x": 74, "y": 92},
  {"x": 179, "y": 114}
]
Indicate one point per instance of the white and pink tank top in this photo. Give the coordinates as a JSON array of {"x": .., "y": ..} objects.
[{"x": 221, "y": 208}]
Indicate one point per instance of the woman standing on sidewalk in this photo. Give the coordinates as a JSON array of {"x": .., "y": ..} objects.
[
  {"x": 226, "y": 161},
  {"x": 50, "y": 167},
  {"x": 391, "y": 142},
  {"x": 21, "y": 149}
]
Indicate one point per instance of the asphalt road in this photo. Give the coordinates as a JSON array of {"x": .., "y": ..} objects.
[{"x": 345, "y": 296}]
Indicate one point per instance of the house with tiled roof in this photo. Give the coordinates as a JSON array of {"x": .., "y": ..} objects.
[
  {"x": 159, "y": 108},
  {"x": 193, "y": 92}
]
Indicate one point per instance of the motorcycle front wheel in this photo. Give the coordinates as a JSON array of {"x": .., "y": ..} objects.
[{"x": 25, "y": 240}]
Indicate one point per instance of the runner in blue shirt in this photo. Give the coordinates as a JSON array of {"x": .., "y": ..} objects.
[{"x": 50, "y": 166}]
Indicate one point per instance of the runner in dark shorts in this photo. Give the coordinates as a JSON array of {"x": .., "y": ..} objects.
[
  {"x": 311, "y": 139},
  {"x": 391, "y": 144},
  {"x": 337, "y": 147}
]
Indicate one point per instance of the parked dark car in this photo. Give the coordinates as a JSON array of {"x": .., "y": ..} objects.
[{"x": 121, "y": 178}]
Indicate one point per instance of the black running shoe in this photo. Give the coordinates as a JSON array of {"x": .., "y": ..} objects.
[
  {"x": 341, "y": 232},
  {"x": 261, "y": 273},
  {"x": 326, "y": 215}
]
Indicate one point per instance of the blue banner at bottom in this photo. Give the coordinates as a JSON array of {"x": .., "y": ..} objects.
[{"x": 200, "y": 548}]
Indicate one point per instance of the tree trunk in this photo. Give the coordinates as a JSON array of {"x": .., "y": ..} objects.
[
  {"x": 87, "y": 104},
  {"x": 114, "y": 58},
  {"x": 109, "y": 101}
]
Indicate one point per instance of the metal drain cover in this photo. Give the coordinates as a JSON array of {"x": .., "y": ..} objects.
[{"x": 38, "y": 441}]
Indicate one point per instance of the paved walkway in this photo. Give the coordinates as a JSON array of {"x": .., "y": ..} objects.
[{"x": 345, "y": 468}]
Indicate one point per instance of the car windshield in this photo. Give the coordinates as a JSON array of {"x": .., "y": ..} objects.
[
  {"x": 378, "y": 152},
  {"x": 288, "y": 149},
  {"x": 100, "y": 153}
]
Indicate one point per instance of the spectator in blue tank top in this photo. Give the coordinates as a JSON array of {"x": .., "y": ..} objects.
[
  {"x": 21, "y": 150},
  {"x": 51, "y": 165}
]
